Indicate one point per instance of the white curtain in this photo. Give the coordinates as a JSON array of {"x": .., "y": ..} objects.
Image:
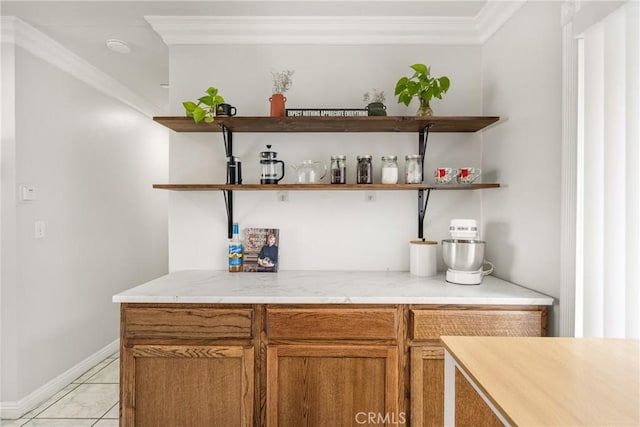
[{"x": 608, "y": 181}]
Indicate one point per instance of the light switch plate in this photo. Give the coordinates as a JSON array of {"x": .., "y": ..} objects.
[
  {"x": 27, "y": 193},
  {"x": 38, "y": 231}
]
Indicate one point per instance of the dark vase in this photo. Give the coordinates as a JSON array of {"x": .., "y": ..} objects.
[{"x": 376, "y": 109}]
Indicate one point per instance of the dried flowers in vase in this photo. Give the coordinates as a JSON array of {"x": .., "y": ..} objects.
[
  {"x": 374, "y": 95},
  {"x": 375, "y": 102},
  {"x": 281, "y": 83}
]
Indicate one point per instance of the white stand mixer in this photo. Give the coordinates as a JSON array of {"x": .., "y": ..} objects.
[{"x": 464, "y": 253}]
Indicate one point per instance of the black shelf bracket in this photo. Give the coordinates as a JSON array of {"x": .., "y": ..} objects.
[
  {"x": 228, "y": 202},
  {"x": 423, "y": 200},
  {"x": 227, "y": 134}
]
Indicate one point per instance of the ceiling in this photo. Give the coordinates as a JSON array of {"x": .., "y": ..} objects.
[{"x": 84, "y": 26}]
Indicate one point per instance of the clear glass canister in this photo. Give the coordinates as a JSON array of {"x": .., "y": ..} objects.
[
  {"x": 338, "y": 169},
  {"x": 364, "y": 171},
  {"x": 389, "y": 169},
  {"x": 413, "y": 169}
]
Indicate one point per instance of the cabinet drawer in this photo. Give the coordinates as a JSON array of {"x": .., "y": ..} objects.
[
  {"x": 187, "y": 323},
  {"x": 432, "y": 324},
  {"x": 365, "y": 323}
]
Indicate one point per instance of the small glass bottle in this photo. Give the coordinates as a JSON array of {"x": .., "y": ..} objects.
[
  {"x": 235, "y": 251},
  {"x": 413, "y": 169},
  {"x": 338, "y": 169},
  {"x": 364, "y": 171},
  {"x": 389, "y": 169}
]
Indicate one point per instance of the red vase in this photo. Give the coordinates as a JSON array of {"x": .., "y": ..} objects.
[{"x": 277, "y": 105}]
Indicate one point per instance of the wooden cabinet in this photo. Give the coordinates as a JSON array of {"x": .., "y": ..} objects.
[
  {"x": 297, "y": 365},
  {"x": 429, "y": 323},
  {"x": 332, "y": 365},
  {"x": 432, "y": 323},
  {"x": 427, "y": 386},
  {"x": 471, "y": 410},
  {"x": 324, "y": 385},
  {"x": 187, "y": 365},
  {"x": 330, "y": 323},
  {"x": 188, "y": 385}
]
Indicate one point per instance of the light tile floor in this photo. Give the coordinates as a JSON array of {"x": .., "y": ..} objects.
[{"x": 90, "y": 400}]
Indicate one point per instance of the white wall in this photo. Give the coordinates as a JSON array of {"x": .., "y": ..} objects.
[
  {"x": 521, "y": 68},
  {"x": 515, "y": 75},
  {"x": 8, "y": 297},
  {"x": 319, "y": 230},
  {"x": 93, "y": 161}
]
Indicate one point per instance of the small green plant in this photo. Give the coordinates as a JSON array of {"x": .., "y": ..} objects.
[
  {"x": 205, "y": 109},
  {"x": 422, "y": 86}
]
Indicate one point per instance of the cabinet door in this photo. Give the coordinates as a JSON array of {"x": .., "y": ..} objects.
[
  {"x": 187, "y": 386},
  {"x": 427, "y": 358},
  {"x": 318, "y": 385},
  {"x": 471, "y": 409},
  {"x": 427, "y": 386}
]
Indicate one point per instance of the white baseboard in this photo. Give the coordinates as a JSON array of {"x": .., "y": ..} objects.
[{"x": 16, "y": 409}]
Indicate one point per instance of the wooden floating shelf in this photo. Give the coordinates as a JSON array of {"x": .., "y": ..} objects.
[
  {"x": 332, "y": 124},
  {"x": 341, "y": 187}
]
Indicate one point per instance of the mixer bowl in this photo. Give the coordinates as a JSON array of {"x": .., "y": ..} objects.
[{"x": 463, "y": 255}]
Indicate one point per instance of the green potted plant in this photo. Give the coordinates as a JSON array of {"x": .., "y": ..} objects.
[
  {"x": 205, "y": 109},
  {"x": 422, "y": 86},
  {"x": 375, "y": 102}
]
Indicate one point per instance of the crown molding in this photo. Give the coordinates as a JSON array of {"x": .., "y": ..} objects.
[
  {"x": 334, "y": 30},
  {"x": 493, "y": 15},
  {"x": 17, "y": 32}
]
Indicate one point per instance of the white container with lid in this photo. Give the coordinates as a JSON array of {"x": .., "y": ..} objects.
[
  {"x": 413, "y": 169},
  {"x": 389, "y": 170}
]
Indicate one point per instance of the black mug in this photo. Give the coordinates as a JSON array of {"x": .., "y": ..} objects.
[{"x": 225, "y": 110}]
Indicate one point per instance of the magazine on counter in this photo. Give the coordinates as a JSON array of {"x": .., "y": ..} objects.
[{"x": 260, "y": 248}]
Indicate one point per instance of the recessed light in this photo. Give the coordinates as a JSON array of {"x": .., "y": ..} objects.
[{"x": 118, "y": 46}]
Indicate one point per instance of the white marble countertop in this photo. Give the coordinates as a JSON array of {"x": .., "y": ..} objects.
[{"x": 324, "y": 287}]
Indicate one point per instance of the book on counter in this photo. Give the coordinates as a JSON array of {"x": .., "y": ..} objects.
[
  {"x": 261, "y": 249},
  {"x": 327, "y": 112}
]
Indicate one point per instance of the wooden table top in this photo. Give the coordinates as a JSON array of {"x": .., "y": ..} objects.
[{"x": 555, "y": 381}]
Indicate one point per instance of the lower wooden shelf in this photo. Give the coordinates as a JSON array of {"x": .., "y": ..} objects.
[{"x": 254, "y": 187}]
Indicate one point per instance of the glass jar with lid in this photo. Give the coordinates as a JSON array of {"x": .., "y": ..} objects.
[
  {"x": 364, "y": 171},
  {"x": 413, "y": 169},
  {"x": 338, "y": 169},
  {"x": 389, "y": 169}
]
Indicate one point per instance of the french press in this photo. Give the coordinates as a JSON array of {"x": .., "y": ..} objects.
[{"x": 268, "y": 163}]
